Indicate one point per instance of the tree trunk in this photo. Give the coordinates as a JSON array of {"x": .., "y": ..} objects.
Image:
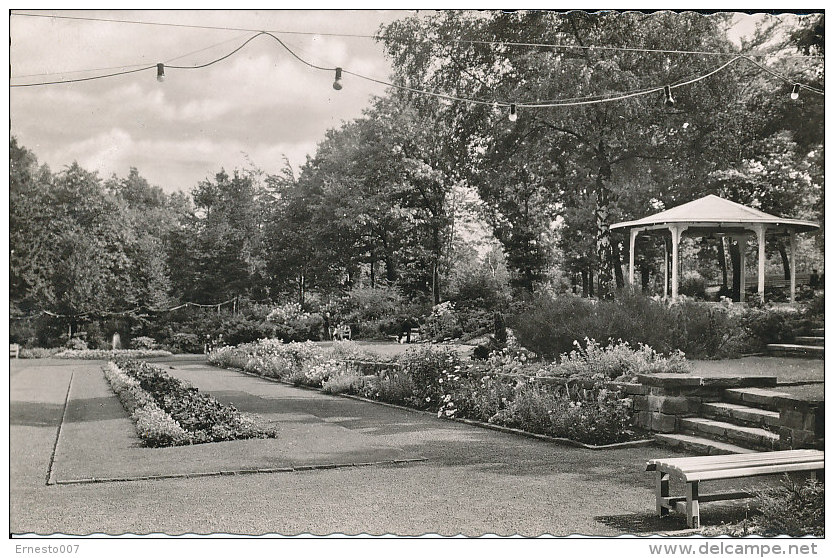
[
  {"x": 644, "y": 278},
  {"x": 722, "y": 263},
  {"x": 786, "y": 263},
  {"x": 435, "y": 283},
  {"x": 373, "y": 282},
  {"x": 585, "y": 290},
  {"x": 616, "y": 263},
  {"x": 604, "y": 251},
  {"x": 735, "y": 258},
  {"x": 590, "y": 282}
]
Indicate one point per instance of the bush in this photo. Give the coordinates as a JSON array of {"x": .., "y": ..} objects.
[
  {"x": 694, "y": 285},
  {"x": 616, "y": 361},
  {"x": 442, "y": 323},
  {"x": 143, "y": 343},
  {"x": 98, "y": 354},
  {"x": 793, "y": 509},
  {"x": 168, "y": 411},
  {"x": 550, "y": 325},
  {"x": 77, "y": 344},
  {"x": 39, "y": 352}
]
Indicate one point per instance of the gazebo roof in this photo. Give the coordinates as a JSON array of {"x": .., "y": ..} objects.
[{"x": 712, "y": 211}]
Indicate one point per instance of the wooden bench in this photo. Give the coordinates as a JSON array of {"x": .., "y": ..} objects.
[
  {"x": 14, "y": 350},
  {"x": 693, "y": 470}
]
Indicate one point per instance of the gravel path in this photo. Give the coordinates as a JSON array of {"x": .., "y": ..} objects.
[{"x": 473, "y": 481}]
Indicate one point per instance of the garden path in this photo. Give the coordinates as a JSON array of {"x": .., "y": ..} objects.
[{"x": 473, "y": 481}]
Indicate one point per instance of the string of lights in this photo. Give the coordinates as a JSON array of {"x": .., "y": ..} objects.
[
  {"x": 132, "y": 311},
  {"x": 441, "y": 40},
  {"x": 126, "y": 66},
  {"x": 513, "y": 106}
]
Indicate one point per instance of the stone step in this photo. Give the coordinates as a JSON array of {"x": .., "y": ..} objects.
[
  {"x": 754, "y": 397},
  {"x": 699, "y": 444},
  {"x": 810, "y": 340},
  {"x": 791, "y": 349},
  {"x": 741, "y": 414},
  {"x": 747, "y": 436}
]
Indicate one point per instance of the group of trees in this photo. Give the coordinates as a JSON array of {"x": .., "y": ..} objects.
[{"x": 388, "y": 196}]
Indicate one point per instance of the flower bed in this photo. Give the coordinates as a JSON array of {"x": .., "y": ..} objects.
[
  {"x": 169, "y": 412},
  {"x": 571, "y": 399},
  {"x": 100, "y": 354}
]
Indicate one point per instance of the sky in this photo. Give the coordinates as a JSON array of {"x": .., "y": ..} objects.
[{"x": 252, "y": 109}]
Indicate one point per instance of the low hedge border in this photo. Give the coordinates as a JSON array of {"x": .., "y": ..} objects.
[
  {"x": 101, "y": 354},
  {"x": 470, "y": 422}
]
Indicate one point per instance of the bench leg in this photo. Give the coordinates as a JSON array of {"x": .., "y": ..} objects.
[
  {"x": 661, "y": 490},
  {"x": 693, "y": 513},
  {"x": 819, "y": 474}
]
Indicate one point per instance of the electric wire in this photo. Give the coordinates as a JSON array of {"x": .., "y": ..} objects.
[
  {"x": 378, "y": 37},
  {"x": 533, "y": 104}
]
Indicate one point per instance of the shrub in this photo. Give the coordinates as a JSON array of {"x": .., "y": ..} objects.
[
  {"x": 550, "y": 325},
  {"x": 343, "y": 382},
  {"x": 693, "y": 284},
  {"x": 99, "y": 354},
  {"x": 425, "y": 367},
  {"x": 792, "y": 509},
  {"x": 171, "y": 404},
  {"x": 616, "y": 361},
  {"x": 76, "y": 344},
  {"x": 143, "y": 342},
  {"x": 442, "y": 323},
  {"x": 39, "y": 352}
]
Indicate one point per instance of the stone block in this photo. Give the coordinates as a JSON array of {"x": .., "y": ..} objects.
[
  {"x": 669, "y": 380},
  {"x": 792, "y": 419},
  {"x": 641, "y": 403},
  {"x": 634, "y": 389},
  {"x": 643, "y": 420},
  {"x": 673, "y": 405},
  {"x": 664, "y": 423}
]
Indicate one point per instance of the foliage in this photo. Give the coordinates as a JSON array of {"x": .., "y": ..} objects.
[
  {"x": 693, "y": 285},
  {"x": 616, "y": 361},
  {"x": 77, "y": 344},
  {"x": 143, "y": 342},
  {"x": 39, "y": 352},
  {"x": 154, "y": 426},
  {"x": 551, "y": 325},
  {"x": 201, "y": 417},
  {"x": 107, "y": 354},
  {"x": 794, "y": 509},
  {"x": 442, "y": 323}
]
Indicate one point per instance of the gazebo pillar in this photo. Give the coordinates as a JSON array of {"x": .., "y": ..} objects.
[
  {"x": 677, "y": 231},
  {"x": 793, "y": 266},
  {"x": 632, "y": 238},
  {"x": 760, "y": 238}
]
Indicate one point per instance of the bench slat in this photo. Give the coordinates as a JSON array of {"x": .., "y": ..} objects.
[
  {"x": 753, "y": 471},
  {"x": 755, "y": 460},
  {"x": 730, "y": 460}
]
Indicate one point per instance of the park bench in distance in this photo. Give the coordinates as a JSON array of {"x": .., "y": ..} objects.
[
  {"x": 14, "y": 350},
  {"x": 693, "y": 470}
]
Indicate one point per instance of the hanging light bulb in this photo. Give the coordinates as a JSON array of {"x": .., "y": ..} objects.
[
  {"x": 160, "y": 72},
  {"x": 337, "y": 83},
  {"x": 513, "y": 113},
  {"x": 667, "y": 92},
  {"x": 795, "y": 92}
]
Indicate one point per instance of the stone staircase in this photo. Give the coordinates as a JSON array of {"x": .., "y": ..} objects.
[
  {"x": 808, "y": 346},
  {"x": 743, "y": 421}
]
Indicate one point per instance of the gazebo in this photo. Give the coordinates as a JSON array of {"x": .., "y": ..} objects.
[{"x": 714, "y": 215}]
